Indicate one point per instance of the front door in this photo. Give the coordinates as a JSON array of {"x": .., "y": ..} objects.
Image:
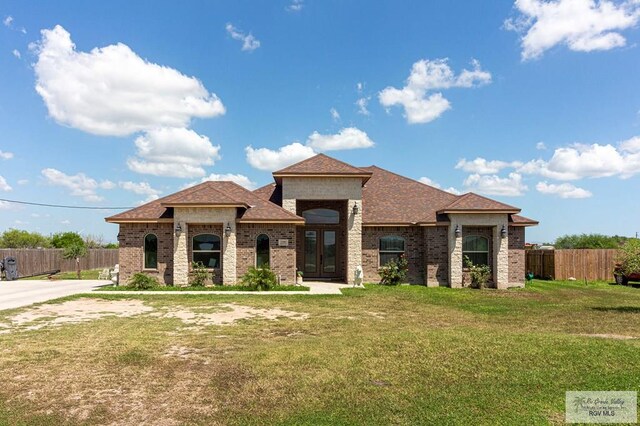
[{"x": 320, "y": 253}]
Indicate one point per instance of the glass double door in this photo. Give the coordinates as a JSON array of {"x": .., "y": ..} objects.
[{"x": 320, "y": 253}]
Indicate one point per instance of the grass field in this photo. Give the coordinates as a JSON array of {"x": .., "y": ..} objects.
[
  {"x": 90, "y": 274},
  {"x": 203, "y": 288},
  {"x": 403, "y": 355}
]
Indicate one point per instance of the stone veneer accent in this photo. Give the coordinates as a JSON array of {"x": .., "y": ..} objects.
[
  {"x": 282, "y": 259},
  {"x": 204, "y": 215},
  {"x": 436, "y": 245},
  {"x": 500, "y": 258},
  {"x": 131, "y": 250},
  {"x": 516, "y": 255},
  {"x": 330, "y": 188}
]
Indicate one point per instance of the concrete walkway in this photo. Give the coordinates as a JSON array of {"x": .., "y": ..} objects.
[
  {"x": 315, "y": 288},
  {"x": 14, "y": 294}
]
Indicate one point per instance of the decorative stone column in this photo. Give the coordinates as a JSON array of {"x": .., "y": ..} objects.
[
  {"x": 354, "y": 239},
  {"x": 455, "y": 254},
  {"x": 501, "y": 256},
  {"x": 229, "y": 255},
  {"x": 180, "y": 256}
]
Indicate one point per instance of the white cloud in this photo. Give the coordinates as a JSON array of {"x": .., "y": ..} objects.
[
  {"x": 430, "y": 182},
  {"x": 541, "y": 146},
  {"x": 631, "y": 145},
  {"x": 16, "y": 53},
  {"x": 8, "y": 21},
  {"x": 23, "y": 181},
  {"x": 270, "y": 160},
  {"x": 241, "y": 180},
  {"x": 347, "y": 138},
  {"x": 295, "y": 6},
  {"x": 113, "y": 91},
  {"x": 65, "y": 222},
  {"x": 79, "y": 184},
  {"x": 4, "y": 186},
  {"x": 359, "y": 87},
  {"x": 249, "y": 42},
  {"x": 510, "y": 186},
  {"x": 419, "y": 98},
  {"x": 362, "y": 105},
  {"x": 8, "y": 206},
  {"x": 20, "y": 222},
  {"x": 107, "y": 184},
  {"x": 580, "y": 161},
  {"x": 6, "y": 155},
  {"x": 334, "y": 114},
  {"x": 141, "y": 188},
  {"x": 581, "y": 25},
  {"x": 485, "y": 167},
  {"x": 564, "y": 190},
  {"x": 176, "y": 152}
]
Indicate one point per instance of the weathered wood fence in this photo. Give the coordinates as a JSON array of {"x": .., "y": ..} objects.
[
  {"x": 589, "y": 264},
  {"x": 36, "y": 261}
]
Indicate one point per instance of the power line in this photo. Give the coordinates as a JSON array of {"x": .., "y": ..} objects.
[{"x": 62, "y": 206}]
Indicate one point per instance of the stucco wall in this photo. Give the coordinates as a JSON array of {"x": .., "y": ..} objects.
[
  {"x": 131, "y": 250},
  {"x": 282, "y": 258},
  {"x": 200, "y": 215},
  {"x": 344, "y": 188},
  {"x": 500, "y": 261}
]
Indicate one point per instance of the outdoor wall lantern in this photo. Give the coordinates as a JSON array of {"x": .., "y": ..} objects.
[
  {"x": 355, "y": 209},
  {"x": 227, "y": 230},
  {"x": 503, "y": 231},
  {"x": 458, "y": 231},
  {"x": 178, "y": 229}
]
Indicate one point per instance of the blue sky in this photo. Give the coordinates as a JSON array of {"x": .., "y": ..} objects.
[{"x": 533, "y": 103}]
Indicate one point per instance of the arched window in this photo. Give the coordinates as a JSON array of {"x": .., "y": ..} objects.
[
  {"x": 476, "y": 248},
  {"x": 321, "y": 216},
  {"x": 262, "y": 251},
  {"x": 150, "y": 251},
  {"x": 391, "y": 248},
  {"x": 206, "y": 250}
]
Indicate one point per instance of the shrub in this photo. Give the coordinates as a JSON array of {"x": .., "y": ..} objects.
[
  {"x": 140, "y": 281},
  {"x": 14, "y": 238},
  {"x": 480, "y": 274},
  {"x": 75, "y": 251},
  {"x": 200, "y": 274},
  {"x": 629, "y": 257},
  {"x": 67, "y": 239},
  {"x": 589, "y": 241},
  {"x": 394, "y": 272},
  {"x": 259, "y": 278}
]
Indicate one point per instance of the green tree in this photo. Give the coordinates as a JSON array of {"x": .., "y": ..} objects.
[
  {"x": 67, "y": 239},
  {"x": 15, "y": 238},
  {"x": 75, "y": 251},
  {"x": 629, "y": 256},
  {"x": 589, "y": 241}
]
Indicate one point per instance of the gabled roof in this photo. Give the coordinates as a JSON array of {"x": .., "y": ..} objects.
[
  {"x": 322, "y": 165},
  {"x": 471, "y": 202},
  {"x": 250, "y": 207},
  {"x": 389, "y": 198}
]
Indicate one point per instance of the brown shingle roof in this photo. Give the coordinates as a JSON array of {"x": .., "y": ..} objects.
[
  {"x": 390, "y": 198},
  {"x": 475, "y": 202},
  {"x": 516, "y": 219},
  {"x": 258, "y": 209},
  {"x": 321, "y": 165}
]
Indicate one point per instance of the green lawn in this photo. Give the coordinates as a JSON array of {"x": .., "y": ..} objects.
[
  {"x": 403, "y": 355},
  {"x": 207, "y": 288},
  {"x": 90, "y": 274}
]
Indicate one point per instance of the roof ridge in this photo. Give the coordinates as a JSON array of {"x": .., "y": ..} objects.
[{"x": 315, "y": 157}]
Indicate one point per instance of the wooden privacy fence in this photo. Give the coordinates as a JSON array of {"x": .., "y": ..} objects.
[
  {"x": 36, "y": 261},
  {"x": 589, "y": 264}
]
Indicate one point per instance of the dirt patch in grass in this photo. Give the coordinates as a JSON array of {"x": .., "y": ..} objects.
[
  {"x": 73, "y": 312},
  {"x": 610, "y": 336}
]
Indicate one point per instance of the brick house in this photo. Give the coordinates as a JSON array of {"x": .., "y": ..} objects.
[{"x": 323, "y": 217}]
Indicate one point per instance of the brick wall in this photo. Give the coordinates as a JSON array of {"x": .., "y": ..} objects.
[
  {"x": 131, "y": 251},
  {"x": 282, "y": 259},
  {"x": 516, "y": 255},
  {"x": 200, "y": 228},
  {"x": 436, "y": 255},
  {"x": 413, "y": 245}
]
